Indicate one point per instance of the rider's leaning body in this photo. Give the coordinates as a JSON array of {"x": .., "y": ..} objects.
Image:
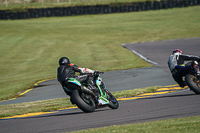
[
  {"x": 178, "y": 68},
  {"x": 68, "y": 70}
]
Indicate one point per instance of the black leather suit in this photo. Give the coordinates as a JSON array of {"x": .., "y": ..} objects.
[
  {"x": 64, "y": 72},
  {"x": 178, "y": 68}
]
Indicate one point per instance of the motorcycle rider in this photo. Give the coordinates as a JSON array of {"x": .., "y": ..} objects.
[
  {"x": 67, "y": 70},
  {"x": 179, "y": 69}
]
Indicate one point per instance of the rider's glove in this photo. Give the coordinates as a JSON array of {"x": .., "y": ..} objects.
[
  {"x": 96, "y": 71},
  {"x": 86, "y": 70}
]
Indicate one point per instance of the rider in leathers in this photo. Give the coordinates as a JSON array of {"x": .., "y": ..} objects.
[
  {"x": 179, "y": 69},
  {"x": 67, "y": 70}
]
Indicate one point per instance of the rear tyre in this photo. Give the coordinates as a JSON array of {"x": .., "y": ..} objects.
[
  {"x": 83, "y": 101},
  {"x": 193, "y": 83}
]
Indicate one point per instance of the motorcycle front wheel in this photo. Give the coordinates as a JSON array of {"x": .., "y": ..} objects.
[
  {"x": 83, "y": 101},
  {"x": 193, "y": 83},
  {"x": 113, "y": 101}
]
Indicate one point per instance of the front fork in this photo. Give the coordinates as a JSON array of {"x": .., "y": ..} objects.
[
  {"x": 103, "y": 98},
  {"x": 196, "y": 79}
]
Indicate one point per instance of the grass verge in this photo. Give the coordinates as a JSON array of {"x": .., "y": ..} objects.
[{"x": 180, "y": 125}]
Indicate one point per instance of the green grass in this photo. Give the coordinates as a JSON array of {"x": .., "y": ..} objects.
[
  {"x": 179, "y": 125},
  {"x": 30, "y": 49},
  {"x": 59, "y": 103}
]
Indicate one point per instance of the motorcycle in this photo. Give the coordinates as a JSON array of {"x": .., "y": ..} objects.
[
  {"x": 88, "y": 100},
  {"x": 193, "y": 81}
]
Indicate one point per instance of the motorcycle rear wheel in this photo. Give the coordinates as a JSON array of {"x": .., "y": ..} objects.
[
  {"x": 192, "y": 83},
  {"x": 83, "y": 103}
]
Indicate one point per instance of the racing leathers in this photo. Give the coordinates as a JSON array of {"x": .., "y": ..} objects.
[
  {"x": 64, "y": 72},
  {"x": 179, "y": 69}
]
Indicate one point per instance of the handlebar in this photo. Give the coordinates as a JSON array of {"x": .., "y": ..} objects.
[{"x": 95, "y": 73}]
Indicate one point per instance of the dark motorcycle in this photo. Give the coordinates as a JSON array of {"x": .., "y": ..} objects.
[
  {"x": 88, "y": 100},
  {"x": 193, "y": 81}
]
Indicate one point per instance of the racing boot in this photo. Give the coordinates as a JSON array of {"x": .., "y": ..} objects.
[
  {"x": 178, "y": 78},
  {"x": 182, "y": 84},
  {"x": 91, "y": 84}
]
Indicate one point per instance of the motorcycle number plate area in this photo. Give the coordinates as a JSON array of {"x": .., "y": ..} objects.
[{"x": 103, "y": 101}]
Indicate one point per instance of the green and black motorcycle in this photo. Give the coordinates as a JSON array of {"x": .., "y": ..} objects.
[{"x": 88, "y": 100}]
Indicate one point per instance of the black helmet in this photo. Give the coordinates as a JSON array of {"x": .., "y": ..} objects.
[{"x": 64, "y": 61}]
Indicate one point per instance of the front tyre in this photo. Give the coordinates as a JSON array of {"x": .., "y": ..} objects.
[
  {"x": 83, "y": 101},
  {"x": 113, "y": 101},
  {"x": 193, "y": 83}
]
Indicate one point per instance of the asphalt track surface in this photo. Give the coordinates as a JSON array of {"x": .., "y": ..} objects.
[
  {"x": 172, "y": 105},
  {"x": 114, "y": 80}
]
